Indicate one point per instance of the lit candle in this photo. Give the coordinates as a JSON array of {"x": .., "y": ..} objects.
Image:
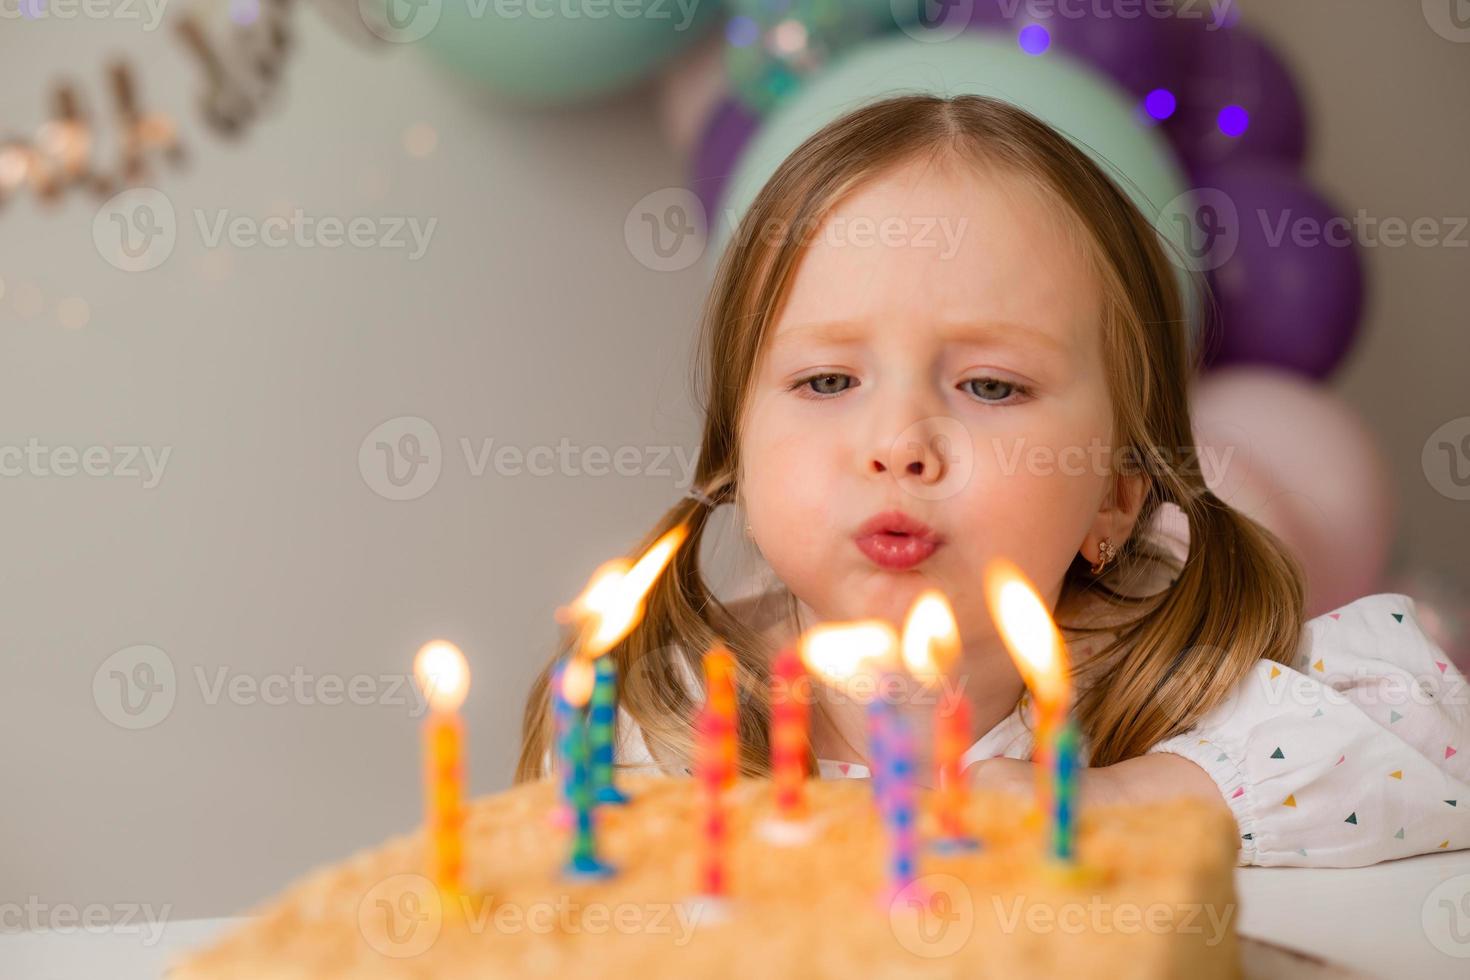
[
  {"x": 838, "y": 653},
  {"x": 577, "y": 682},
  {"x": 931, "y": 643},
  {"x": 1036, "y": 646},
  {"x": 442, "y": 674},
  {"x": 607, "y": 610}
]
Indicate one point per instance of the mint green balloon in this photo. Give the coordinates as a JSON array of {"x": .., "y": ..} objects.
[
  {"x": 1085, "y": 106},
  {"x": 552, "y": 52}
]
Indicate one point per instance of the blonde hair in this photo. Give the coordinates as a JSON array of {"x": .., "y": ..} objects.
[{"x": 1167, "y": 658}]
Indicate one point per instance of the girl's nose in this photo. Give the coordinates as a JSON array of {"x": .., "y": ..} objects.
[{"x": 919, "y": 453}]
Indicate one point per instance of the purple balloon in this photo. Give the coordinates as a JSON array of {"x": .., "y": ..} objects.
[
  {"x": 1140, "y": 51},
  {"x": 1238, "y": 79},
  {"x": 725, "y": 135},
  {"x": 1287, "y": 272}
]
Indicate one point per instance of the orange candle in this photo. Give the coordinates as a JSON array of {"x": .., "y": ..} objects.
[
  {"x": 931, "y": 645},
  {"x": 952, "y": 738},
  {"x": 719, "y": 676},
  {"x": 716, "y": 765},
  {"x": 442, "y": 673}
]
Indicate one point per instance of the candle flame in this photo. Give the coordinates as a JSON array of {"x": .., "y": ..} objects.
[
  {"x": 577, "y": 679},
  {"x": 1028, "y": 632},
  {"x": 931, "y": 638},
  {"x": 612, "y": 603},
  {"x": 442, "y": 674},
  {"x": 837, "y": 652}
]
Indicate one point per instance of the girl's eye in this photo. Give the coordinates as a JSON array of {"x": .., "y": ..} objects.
[
  {"x": 992, "y": 389},
  {"x": 826, "y": 385}
]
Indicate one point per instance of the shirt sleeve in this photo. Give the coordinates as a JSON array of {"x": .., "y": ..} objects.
[{"x": 1352, "y": 754}]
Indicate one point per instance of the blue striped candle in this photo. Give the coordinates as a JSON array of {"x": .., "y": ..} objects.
[{"x": 602, "y": 726}]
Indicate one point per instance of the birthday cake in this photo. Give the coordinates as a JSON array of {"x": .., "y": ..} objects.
[{"x": 1151, "y": 894}]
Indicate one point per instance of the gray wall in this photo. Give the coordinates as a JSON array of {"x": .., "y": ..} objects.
[{"x": 264, "y": 550}]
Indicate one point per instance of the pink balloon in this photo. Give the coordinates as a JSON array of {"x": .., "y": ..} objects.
[{"x": 1291, "y": 455}]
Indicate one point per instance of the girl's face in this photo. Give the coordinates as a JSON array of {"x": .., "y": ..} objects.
[{"x": 939, "y": 356}]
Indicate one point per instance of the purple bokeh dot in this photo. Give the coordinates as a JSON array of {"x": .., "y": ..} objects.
[
  {"x": 1034, "y": 39},
  {"x": 1234, "y": 121},
  {"x": 742, "y": 32},
  {"x": 244, "y": 11},
  {"x": 1160, "y": 103}
]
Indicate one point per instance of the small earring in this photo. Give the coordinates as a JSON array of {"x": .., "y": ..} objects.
[{"x": 1105, "y": 553}]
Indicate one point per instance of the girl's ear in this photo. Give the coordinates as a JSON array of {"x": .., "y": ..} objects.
[{"x": 1117, "y": 516}]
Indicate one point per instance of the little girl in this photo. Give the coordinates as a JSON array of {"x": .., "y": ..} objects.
[{"x": 890, "y": 408}]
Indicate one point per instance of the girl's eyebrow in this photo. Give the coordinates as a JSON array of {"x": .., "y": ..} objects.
[{"x": 1009, "y": 335}]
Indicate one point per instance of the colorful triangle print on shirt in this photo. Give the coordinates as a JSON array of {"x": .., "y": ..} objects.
[
  {"x": 1399, "y": 617},
  {"x": 1394, "y": 716},
  {"x": 1290, "y": 800},
  {"x": 1319, "y": 666},
  {"x": 1352, "y": 818},
  {"x": 1396, "y": 774},
  {"x": 1449, "y": 750},
  {"x": 1278, "y": 754},
  {"x": 1335, "y": 615},
  {"x": 1399, "y": 835}
]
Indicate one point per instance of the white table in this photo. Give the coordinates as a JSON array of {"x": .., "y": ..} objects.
[{"x": 1373, "y": 919}]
